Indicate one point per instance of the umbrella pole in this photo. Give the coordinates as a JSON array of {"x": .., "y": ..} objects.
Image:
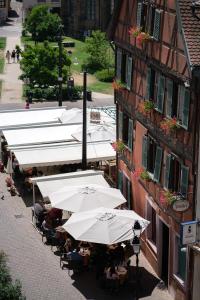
[{"x": 11, "y": 164}]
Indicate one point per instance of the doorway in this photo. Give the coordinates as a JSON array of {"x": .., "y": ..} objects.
[{"x": 165, "y": 253}]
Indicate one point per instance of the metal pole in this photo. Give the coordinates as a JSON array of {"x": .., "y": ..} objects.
[
  {"x": 60, "y": 68},
  {"x": 84, "y": 142}
]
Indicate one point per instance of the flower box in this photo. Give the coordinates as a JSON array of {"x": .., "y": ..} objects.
[
  {"x": 167, "y": 198},
  {"x": 143, "y": 174},
  {"x": 119, "y": 146},
  {"x": 146, "y": 106},
  {"x": 169, "y": 125},
  {"x": 118, "y": 85},
  {"x": 140, "y": 35}
]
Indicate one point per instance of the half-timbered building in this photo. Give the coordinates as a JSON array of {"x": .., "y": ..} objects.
[{"x": 157, "y": 97}]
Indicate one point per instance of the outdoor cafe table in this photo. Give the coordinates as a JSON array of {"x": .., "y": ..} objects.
[{"x": 122, "y": 273}]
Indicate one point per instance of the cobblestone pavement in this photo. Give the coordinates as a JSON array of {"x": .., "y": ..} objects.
[{"x": 37, "y": 267}]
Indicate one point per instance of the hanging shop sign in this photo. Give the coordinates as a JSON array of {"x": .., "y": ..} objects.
[
  {"x": 180, "y": 205},
  {"x": 188, "y": 233}
]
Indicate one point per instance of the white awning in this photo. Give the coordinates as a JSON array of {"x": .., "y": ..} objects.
[
  {"x": 50, "y": 184},
  {"x": 63, "y": 153},
  {"x": 28, "y": 117},
  {"x": 38, "y": 135}
]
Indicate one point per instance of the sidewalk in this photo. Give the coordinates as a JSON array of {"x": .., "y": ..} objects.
[{"x": 12, "y": 86}]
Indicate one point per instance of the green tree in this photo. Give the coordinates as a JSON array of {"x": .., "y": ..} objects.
[
  {"x": 98, "y": 48},
  {"x": 42, "y": 24},
  {"x": 40, "y": 62},
  {"x": 8, "y": 289}
]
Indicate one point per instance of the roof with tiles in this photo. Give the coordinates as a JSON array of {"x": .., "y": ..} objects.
[{"x": 191, "y": 30}]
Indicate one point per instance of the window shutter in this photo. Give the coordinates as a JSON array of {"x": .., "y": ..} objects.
[
  {"x": 129, "y": 194},
  {"x": 161, "y": 93},
  {"x": 144, "y": 151},
  {"x": 158, "y": 163},
  {"x": 186, "y": 109},
  {"x": 169, "y": 98},
  {"x": 184, "y": 180},
  {"x": 129, "y": 73},
  {"x": 167, "y": 171},
  {"x": 148, "y": 83},
  {"x": 156, "y": 28},
  {"x": 120, "y": 124},
  {"x": 120, "y": 181},
  {"x": 119, "y": 63},
  {"x": 139, "y": 14},
  {"x": 130, "y": 134}
]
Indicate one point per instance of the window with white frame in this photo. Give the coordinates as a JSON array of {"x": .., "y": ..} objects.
[
  {"x": 2, "y": 3},
  {"x": 152, "y": 157},
  {"x": 124, "y": 184},
  {"x": 177, "y": 102},
  {"x": 180, "y": 256},
  {"x": 91, "y": 9},
  {"x": 176, "y": 175},
  {"x": 124, "y": 68},
  {"x": 125, "y": 129},
  {"x": 152, "y": 228},
  {"x": 155, "y": 88},
  {"x": 149, "y": 19}
]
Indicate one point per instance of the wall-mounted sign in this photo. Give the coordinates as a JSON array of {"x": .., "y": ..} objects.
[
  {"x": 188, "y": 232},
  {"x": 180, "y": 205}
]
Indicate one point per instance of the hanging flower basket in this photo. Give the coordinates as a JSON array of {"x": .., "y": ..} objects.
[
  {"x": 118, "y": 85},
  {"x": 167, "y": 198},
  {"x": 140, "y": 35},
  {"x": 119, "y": 146},
  {"x": 141, "y": 173},
  {"x": 169, "y": 125},
  {"x": 146, "y": 106}
]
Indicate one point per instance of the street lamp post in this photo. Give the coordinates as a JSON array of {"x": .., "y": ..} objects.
[
  {"x": 84, "y": 140},
  {"x": 137, "y": 229},
  {"x": 60, "y": 65}
]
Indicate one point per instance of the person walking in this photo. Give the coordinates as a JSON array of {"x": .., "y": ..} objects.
[
  {"x": 18, "y": 52},
  {"x": 13, "y": 55},
  {"x": 8, "y": 56}
]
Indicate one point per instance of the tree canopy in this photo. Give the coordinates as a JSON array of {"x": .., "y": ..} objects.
[
  {"x": 8, "y": 290},
  {"x": 98, "y": 48},
  {"x": 40, "y": 63},
  {"x": 42, "y": 24}
]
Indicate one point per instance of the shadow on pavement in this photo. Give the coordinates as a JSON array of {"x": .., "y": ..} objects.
[
  {"x": 140, "y": 285},
  {"x": 13, "y": 14}
]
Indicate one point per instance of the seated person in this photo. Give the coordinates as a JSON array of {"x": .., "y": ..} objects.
[
  {"x": 47, "y": 226},
  {"x": 55, "y": 214},
  {"x": 84, "y": 244},
  {"x": 68, "y": 245},
  {"x": 74, "y": 255},
  {"x": 40, "y": 212}
]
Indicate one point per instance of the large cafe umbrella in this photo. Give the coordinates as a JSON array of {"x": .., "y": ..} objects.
[
  {"x": 86, "y": 197},
  {"x": 104, "y": 225},
  {"x": 96, "y": 133}
]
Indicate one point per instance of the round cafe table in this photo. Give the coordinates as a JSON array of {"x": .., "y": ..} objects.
[{"x": 122, "y": 273}]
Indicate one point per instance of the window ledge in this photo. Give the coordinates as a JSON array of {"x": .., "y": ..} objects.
[
  {"x": 152, "y": 246},
  {"x": 180, "y": 281}
]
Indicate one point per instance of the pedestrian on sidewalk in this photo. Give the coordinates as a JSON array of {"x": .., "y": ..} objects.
[
  {"x": 18, "y": 52},
  {"x": 8, "y": 56},
  {"x": 13, "y": 55}
]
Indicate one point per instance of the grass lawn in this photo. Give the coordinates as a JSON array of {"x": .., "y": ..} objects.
[
  {"x": 2, "y": 43},
  {"x": 78, "y": 57},
  {"x": 2, "y": 47}
]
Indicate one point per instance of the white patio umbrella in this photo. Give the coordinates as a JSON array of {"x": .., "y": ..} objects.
[
  {"x": 104, "y": 225},
  {"x": 97, "y": 133},
  {"x": 85, "y": 197}
]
